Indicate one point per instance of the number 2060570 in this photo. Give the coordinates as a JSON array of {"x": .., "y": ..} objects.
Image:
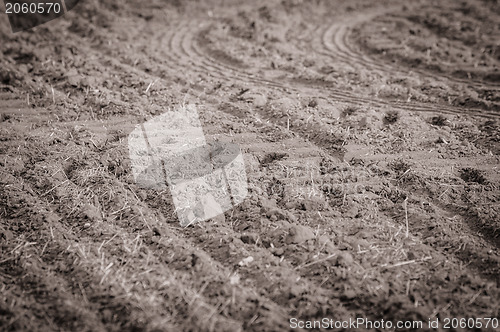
[
  {"x": 470, "y": 323},
  {"x": 33, "y": 8}
]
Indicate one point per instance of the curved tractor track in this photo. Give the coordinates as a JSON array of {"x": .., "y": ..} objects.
[
  {"x": 189, "y": 48},
  {"x": 359, "y": 205},
  {"x": 336, "y": 41},
  {"x": 187, "y": 44}
]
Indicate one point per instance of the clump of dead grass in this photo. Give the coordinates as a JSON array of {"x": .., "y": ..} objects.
[
  {"x": 349, "y": 110},
  {"x": 472, "y": 175},
  {"x": 391, "y": 117},
  {"x": 438, "y": 120}
]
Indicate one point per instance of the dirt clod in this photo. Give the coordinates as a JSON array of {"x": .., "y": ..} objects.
[{"x": 298, "y": 234}]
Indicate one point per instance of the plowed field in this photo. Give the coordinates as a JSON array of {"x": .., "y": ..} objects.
[{"x": 370, "y": 132}]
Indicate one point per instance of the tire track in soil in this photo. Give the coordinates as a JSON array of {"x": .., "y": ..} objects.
[
  {"x": 177, "y": 66},
  {"x": 187, "y": 42},
  {"x": 184, "y": 51},
  {"x": 184, "y": 46},
  {"x": 336, "y": 40}
]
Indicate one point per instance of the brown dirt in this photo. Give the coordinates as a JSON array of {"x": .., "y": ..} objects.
[{"x": 356, "y": 119}]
